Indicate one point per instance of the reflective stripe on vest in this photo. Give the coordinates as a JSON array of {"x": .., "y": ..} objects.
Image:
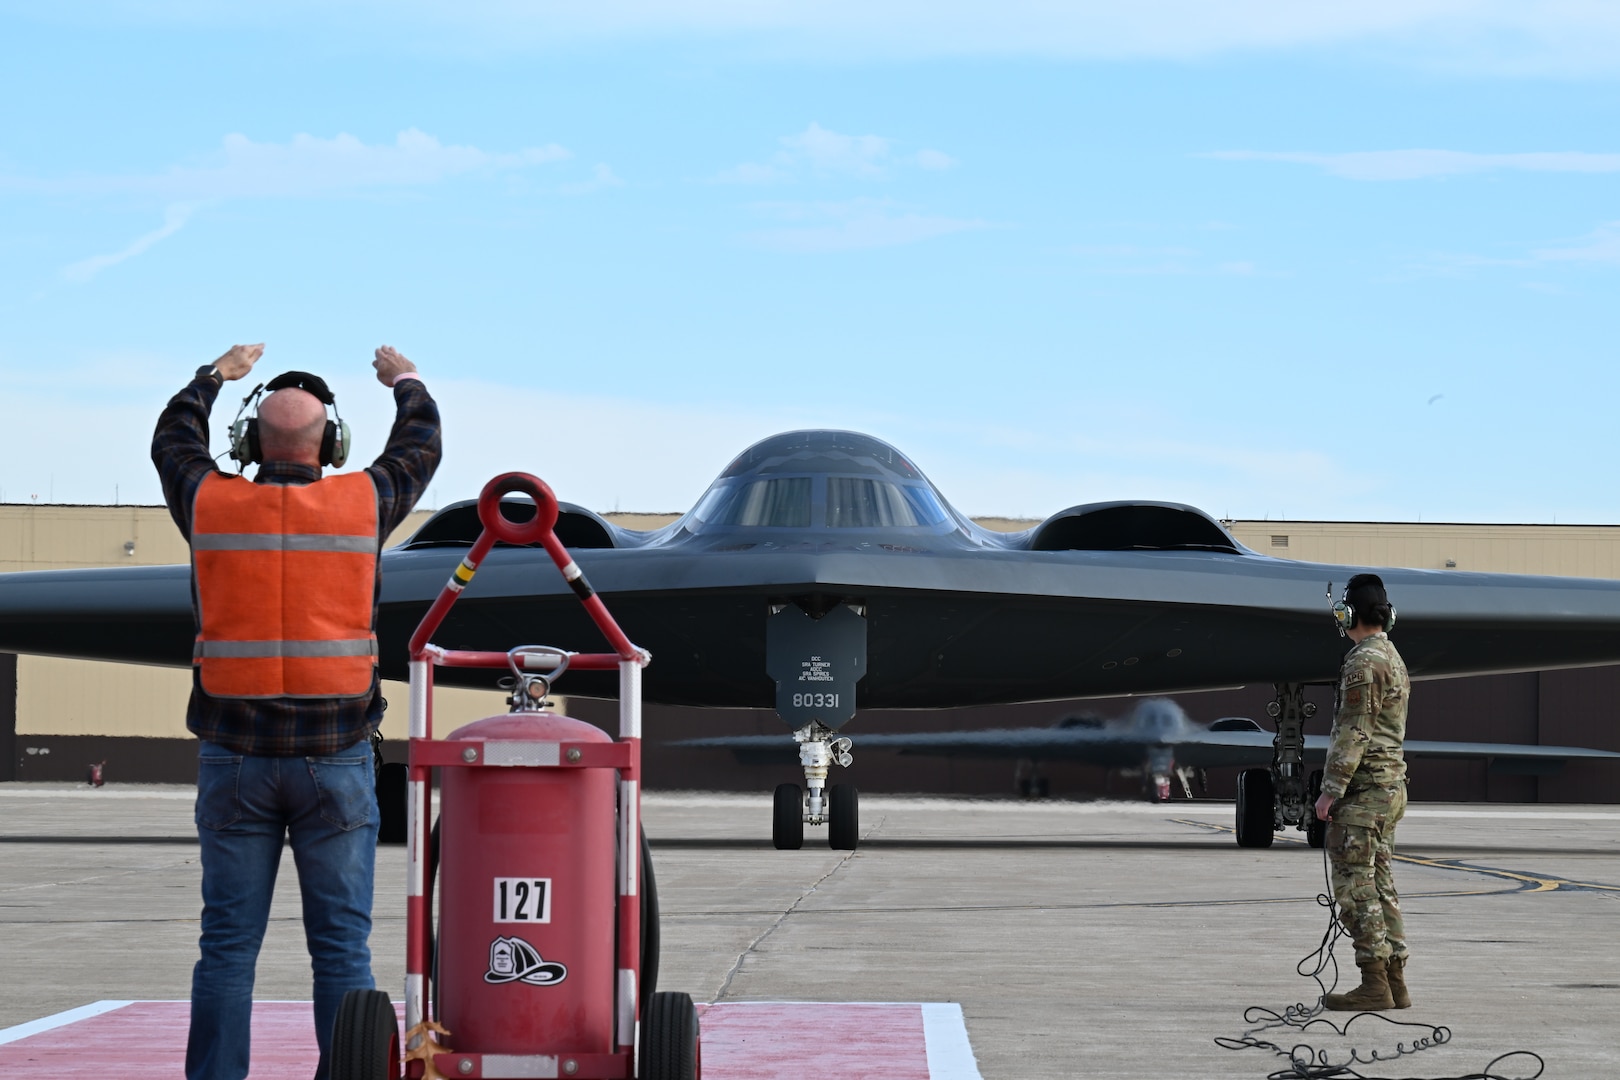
[{"x": 285, "y": 580}]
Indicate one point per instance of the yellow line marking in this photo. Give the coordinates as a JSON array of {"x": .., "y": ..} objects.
[{"x": 1540, "y": 884}]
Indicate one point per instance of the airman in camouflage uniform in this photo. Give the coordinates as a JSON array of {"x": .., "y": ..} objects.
[{"x": 1364, "y": 796}]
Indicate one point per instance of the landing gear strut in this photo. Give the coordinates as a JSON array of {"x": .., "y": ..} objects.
[
  {"x": 1281, "y": 793},
  {"x": 839, "y": 807}
]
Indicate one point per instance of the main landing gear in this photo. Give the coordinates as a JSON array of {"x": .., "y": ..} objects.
[
  {"x": 838, "y": 808},
  {"x": 1284, "y": 795}
]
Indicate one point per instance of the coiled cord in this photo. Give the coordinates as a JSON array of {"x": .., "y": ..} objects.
[{"x": 1307, "y": 1062}]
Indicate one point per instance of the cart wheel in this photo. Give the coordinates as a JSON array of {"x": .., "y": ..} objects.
[
  {"x": 669, "y": 1046},
  {"x": 649, "y": 929},
  {"x": 844, "y": 814},
  {"x": 365, "y": 1038},
  {"x": 787, "y": 820}
]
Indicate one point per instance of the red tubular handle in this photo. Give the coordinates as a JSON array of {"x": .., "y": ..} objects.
[
  {"x": 541, "y": 529},
  {"x": 521, "y": 533}
]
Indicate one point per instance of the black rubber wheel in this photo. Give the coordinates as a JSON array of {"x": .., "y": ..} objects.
[
  {"x": 650, "y": 939},
  {"x": 787, "y": 818},
  {"x": 433, "y": 928},
  {"x": 393, "y": 781},
  {"x": 843, "y": 817},
  {"x": 365, "y": 1038},
  {"x": 1256, "y": 808},
  {"x": 669, "y": 1041},
  {"x": 1315, "y": 827}
]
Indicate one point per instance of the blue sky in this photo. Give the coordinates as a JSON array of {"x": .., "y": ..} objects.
[{"x": 1268, "y": 258}]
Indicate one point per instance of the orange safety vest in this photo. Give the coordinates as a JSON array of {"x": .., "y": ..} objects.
[{"x": 285, "y": 581}]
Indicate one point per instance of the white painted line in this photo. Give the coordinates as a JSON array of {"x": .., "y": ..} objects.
[
  {"x": 950, "y": 1055},
  {"x": 61, "y": 1019}
]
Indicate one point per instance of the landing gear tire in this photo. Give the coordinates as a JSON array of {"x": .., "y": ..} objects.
[
  {"x": 1315, "y": 827},
  {"x": 787, "y": 818},
  {"x": 843, "y": 817},
  {"x": 669, "y": 1049},
  {"x": 365, "y": 1038},
  {"x": 1256, "y": 808}
]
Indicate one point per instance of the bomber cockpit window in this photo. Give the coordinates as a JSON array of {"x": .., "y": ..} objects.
[
  {"x": 858, "y": 502},
  {"x": 778, "y": 501}
]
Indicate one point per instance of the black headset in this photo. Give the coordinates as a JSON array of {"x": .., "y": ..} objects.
[
  {"x": 1344, "y": 613},
  {"x": 335, "y": 439}
]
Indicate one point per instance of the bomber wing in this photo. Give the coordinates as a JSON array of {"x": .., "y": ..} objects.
[{"x": 1125, "y": 749}]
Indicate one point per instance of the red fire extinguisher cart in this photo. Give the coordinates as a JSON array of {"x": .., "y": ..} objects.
[{"x": 546, "y": 951}]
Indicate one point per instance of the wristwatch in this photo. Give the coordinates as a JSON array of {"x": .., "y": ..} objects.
[{"x": 212, "y": 372}]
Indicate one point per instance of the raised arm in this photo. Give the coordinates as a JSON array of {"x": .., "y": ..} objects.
[
  {"x": 406, "y": 465},
  {"x": 180, "y": 443}
]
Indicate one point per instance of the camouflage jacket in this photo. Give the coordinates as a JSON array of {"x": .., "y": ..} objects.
[{"x": 1369, "y": 725}]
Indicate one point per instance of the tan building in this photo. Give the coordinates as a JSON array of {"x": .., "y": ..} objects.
[{"x": 1558, "y": 550}]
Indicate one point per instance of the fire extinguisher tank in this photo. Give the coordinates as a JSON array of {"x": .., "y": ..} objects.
[{"x": 528, "y": 891}]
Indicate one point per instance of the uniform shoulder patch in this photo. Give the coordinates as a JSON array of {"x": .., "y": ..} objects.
[{"x": 1352, "y": 696}]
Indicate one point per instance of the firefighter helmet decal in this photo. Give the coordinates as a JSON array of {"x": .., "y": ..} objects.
[{"x": 511, "y": 959}]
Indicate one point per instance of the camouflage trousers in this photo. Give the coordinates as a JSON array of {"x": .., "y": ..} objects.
[{"x": 1361, "y": 847}]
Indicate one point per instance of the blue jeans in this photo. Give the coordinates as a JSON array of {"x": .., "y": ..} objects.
[{"x": 328, "y": 807}]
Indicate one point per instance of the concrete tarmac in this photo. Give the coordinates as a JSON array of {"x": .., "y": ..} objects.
[{"x": 1081, "y": 939}]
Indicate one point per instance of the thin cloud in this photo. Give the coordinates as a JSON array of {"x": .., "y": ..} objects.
[
  {"x": 822, "y": 152},
  {"x": 174, "y": 219},
  {"x": 602, "y": 177},
  {"x": 1567, "y": 37},
  {"x": 856, "y": 225},
  {"x": 1424, "y": 164},
  {"x": 1600, "y": 246},
  {"x": 829, "y": 152},
  {"x": 305, "y": 166}
]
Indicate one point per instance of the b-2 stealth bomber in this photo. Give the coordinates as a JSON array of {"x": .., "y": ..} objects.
[{"x": 822, "y": 569}]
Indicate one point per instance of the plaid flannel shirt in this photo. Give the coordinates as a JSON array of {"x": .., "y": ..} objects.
[{"x": 292, "y": 727}]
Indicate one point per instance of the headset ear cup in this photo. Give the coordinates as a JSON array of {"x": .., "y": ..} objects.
[
  {"x": 245, "y": 441},
  {"x": 338, "y": 436},
  {"x": 328, "y": 442},
  {"x": 1344, "y": 615},
  {"x": 1391, "y": 624}
]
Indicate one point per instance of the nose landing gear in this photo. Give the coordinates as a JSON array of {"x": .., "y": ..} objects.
[{"x": 838, "y": 808}]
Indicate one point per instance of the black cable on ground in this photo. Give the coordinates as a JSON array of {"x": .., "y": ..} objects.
[{"x": 1307, "y": 1062}]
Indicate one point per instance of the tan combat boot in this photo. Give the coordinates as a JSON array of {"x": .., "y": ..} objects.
[
  {"x": 1371, "y": 996},
  {"x": 1395, "y": 970}
]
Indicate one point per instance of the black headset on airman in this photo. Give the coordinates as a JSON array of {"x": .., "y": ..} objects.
[
  {"x": 1344, "y": 612},
  {"x": 335, "y": 440}
]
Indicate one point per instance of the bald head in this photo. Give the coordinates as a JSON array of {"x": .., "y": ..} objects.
[{"x": 291, "y": 423}]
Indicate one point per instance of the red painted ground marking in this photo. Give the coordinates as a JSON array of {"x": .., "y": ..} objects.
[
  {"x": 767, "y": 1040},
  {"x": 146, "y": 1040}
]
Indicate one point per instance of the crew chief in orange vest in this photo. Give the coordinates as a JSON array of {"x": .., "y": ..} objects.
[{"x": 285, "y": 693}]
